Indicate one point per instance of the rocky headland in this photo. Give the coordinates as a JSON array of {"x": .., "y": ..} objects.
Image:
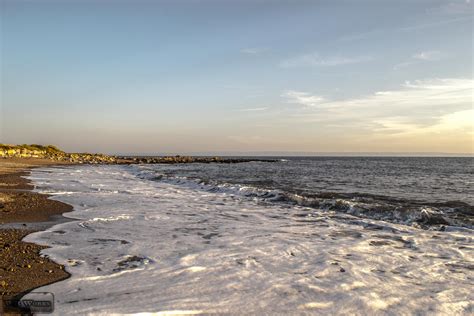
[
  {"x": 52, "y": 153},
  {"x": 55, "y": 154}
]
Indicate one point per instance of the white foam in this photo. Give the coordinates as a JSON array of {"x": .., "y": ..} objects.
[{"x": 156, "y": 247}]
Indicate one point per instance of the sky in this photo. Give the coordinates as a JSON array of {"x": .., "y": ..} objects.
[{"x": 229, "y": 77}]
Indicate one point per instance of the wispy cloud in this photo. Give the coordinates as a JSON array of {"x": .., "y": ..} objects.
[
  {"x": 415, "y": 105},
  {"x": 302, "y": 98},
  {"x": 428, "y": 55},
  {"x": 315, "y": 60},
  {"x": 253, "y": 50},
  {"x": 404, "y": 64},
  {"x": 424, "y": 56}
]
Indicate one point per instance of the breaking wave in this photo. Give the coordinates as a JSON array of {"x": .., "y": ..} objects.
[{"x": 421, "y": 214}]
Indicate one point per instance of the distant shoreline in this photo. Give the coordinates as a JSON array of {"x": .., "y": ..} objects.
[{"x": 270, "y": 155}]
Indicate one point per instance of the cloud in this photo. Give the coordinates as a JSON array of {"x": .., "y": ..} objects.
[
  {"x": 428, "y": 55},
  {"x": 253, "y": 50},
  {"x": 404, "y": 64},
  {"x": 416, "y": 58},
  {"x": 415, "y": 105},
  {"x": 302, "y": 98},
  {"x": 315, "y": 60}
]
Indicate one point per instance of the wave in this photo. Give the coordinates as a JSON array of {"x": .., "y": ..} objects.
[{"x": 421, "y": 214}]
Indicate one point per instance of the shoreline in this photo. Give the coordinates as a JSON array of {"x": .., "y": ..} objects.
[{"x": 22, "y": 212}]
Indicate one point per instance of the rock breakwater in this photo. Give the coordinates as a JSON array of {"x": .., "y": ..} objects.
[
  {"x": 188, "y": 159},
  {"x": 54, "y": 153}
]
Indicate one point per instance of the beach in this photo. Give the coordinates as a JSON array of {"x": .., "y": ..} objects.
[{"x": 22, "y": 212}]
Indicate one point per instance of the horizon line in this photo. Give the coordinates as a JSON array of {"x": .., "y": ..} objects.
[{"x": 300, "y": 154}]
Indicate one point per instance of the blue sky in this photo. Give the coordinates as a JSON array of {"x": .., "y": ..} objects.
[{"x": 237, "y": 76}]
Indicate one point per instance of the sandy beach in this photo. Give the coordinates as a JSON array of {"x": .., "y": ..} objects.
[{"x": 22, "y": 212}]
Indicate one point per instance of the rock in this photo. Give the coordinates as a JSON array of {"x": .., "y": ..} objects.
[
  {"x": 184, "y": 159},
  {"x": 431, "y": 217},
  {"x": 55, "y": 154}
]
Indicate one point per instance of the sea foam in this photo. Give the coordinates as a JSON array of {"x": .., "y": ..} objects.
[{"x": 137, "y": 245}]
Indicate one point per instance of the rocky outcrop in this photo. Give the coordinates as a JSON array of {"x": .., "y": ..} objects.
[
  {"x": 52, "y": 153},
  {"x": 27, "y": 151}
]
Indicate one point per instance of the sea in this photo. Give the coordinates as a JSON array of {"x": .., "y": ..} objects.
[{"x": 297, "y": 236}]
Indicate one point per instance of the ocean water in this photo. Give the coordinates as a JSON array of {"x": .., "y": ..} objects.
[
  {"x": 299, "y": 236},
  {"x": 426, "y": 192}
]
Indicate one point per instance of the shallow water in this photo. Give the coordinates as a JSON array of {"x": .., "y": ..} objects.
[
  {"x": 427, "y": 192},
  {"x": 141, "y": 244}
]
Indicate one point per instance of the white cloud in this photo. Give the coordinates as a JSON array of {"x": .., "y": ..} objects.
[
  {"x": 427, "y": 55},
  {"x": 302, "y": 98},
  {"x": 415, "y": 105},
  {"x": 315, "y": 60}
]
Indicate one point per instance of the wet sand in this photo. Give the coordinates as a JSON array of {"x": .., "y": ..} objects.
[{"x": 22, "y": 268}]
